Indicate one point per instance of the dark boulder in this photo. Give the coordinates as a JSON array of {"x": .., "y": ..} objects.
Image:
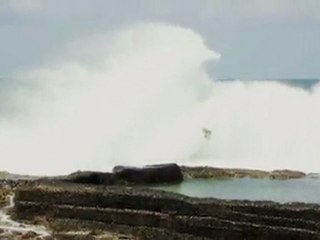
[
  {"x": 150, "y": 174},
  {"x": 88, "y": 177},
  {"x": 122, "y": 175}
]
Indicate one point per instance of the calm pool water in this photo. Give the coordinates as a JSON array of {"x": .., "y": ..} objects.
[{"x": 294, "y": 190}]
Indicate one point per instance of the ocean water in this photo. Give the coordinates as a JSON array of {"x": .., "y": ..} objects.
[
  {"x": 294, "y": 190},
  {"x": 307, "y": 84}
]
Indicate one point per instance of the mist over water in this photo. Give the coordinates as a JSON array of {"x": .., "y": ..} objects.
[{"x": 142, "y": 95}]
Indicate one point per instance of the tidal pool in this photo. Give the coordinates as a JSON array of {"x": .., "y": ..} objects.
[{"x": 294, "y": 190}]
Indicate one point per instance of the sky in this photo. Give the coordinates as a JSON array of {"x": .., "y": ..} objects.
[{"x": 257, "y": 39}]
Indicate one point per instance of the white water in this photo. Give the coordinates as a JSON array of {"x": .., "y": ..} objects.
[
  {"x": 142, "y": 95},
  {"x": 10, "y": 226}
]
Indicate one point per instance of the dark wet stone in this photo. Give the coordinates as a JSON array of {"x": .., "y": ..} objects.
[
  {"x": 151, "y": 174},
  {"x": 88, "y": 177},
  {"x": 29, "y": 235}
]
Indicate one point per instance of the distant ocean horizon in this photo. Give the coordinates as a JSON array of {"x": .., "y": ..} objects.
[{"x": 304, "y": 83}]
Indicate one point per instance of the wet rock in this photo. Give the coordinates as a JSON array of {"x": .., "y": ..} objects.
[
  {"x": 88, "y": 177},
  {"x": 151, "y": 214},
  {"x": 47, "y": 238},
  {"x": 29, "y": 235},
  {"x": 4, "y": 193},
  {"x": 151, "y": 174},
  {"x": 166, "y": 173}
]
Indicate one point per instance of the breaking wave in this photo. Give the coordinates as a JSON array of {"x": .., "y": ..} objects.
[{"x": 143, "y": 95}]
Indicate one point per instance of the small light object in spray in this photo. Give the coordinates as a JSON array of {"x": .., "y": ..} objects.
[{"x": 207, "y": 133}]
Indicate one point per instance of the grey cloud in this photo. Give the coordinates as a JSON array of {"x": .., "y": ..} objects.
[{"x": 257, "y": 38}]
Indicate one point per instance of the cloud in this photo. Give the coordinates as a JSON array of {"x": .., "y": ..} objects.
[
  {"x": 283, "y": 9},
  {"x": 25, "y": 6}
]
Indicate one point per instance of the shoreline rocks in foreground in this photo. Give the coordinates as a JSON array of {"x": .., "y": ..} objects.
[
  {"x": 145, "y": 213},
  {"x": 102, "y": 205}
]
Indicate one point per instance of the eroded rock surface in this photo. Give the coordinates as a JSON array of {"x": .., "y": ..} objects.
[
  {"x": 150, "y": 214},
  {"x": 112, "y": 206}
]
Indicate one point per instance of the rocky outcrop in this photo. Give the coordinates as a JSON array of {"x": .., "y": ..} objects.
[
  {"x": 151, "y": 174},
  {"x": 151, "y": 214},
  {"x": 124, "y": 175},
  {"x": 286, "y": 174},
  {"x": 211, "y": 172},
  {"x": 89, "y": 177}
]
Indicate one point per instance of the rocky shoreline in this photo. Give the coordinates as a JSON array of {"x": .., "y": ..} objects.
[
  {"x": 96, "y": 205},
  {"x": 224, "y": 173},
  {"x": 126, "y": 209}
]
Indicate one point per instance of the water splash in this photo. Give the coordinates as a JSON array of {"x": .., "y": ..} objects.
[
  {"x": 10, "y": 227},
  {"x": 142, "y": 95}
]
